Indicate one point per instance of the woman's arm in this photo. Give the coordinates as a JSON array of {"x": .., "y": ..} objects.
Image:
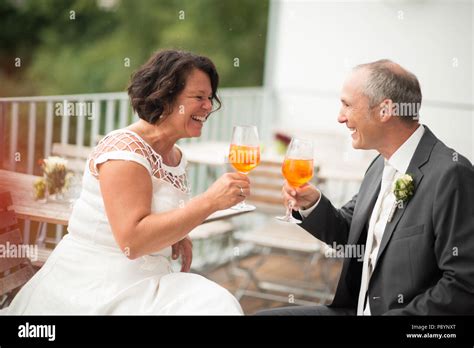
[{"x": 127, "y": 192}]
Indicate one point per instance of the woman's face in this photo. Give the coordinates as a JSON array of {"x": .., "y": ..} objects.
[{"x": 193, "y": 104}]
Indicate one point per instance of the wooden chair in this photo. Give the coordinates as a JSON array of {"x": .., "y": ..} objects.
[
  {"x": 76, "y": 155},
  {"x": 210, "y": 241},
  {"x": 274, "y": 237},
  {"x": 14, "y": 271}
]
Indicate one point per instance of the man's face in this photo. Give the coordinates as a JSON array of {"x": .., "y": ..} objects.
[{"x": 362, "y": 121}]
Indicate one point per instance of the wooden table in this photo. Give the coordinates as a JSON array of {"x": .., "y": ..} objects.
[{"x": 26, "y": 207}]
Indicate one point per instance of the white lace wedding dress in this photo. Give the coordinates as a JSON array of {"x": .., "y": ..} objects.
[{"x": 87, "y": 273}]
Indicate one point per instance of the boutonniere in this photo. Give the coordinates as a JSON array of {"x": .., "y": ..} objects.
[{"x": 403, "y": 188}]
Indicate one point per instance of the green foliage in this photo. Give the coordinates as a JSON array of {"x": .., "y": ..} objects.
[{"x": 89, "y": 53}]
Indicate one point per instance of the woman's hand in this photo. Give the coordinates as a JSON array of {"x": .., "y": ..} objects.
[
  {"x": 303, "y": 197},
  {"x": 183, "y": 248},
  {"x": 228, "y": 190}
]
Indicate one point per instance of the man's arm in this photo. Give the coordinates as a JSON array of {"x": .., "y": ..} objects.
[
  {"x": 453, "y": 222},
  {"x": 328, "y": 223},
  {"x": 325, "y": 222},
  {"x": 322, "y": 220}
]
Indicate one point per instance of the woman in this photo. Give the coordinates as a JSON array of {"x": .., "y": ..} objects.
[{"x": 134, "y": 208}]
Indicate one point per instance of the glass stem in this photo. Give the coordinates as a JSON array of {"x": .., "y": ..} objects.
[
  {"x": 243, "y": 204},
  {"x": 289, "y": 209}
]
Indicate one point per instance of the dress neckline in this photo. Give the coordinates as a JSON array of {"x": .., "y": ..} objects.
[{"x": 165, "y": 166}]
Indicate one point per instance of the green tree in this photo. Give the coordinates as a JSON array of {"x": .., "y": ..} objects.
[{"x": 96, "y": 47}]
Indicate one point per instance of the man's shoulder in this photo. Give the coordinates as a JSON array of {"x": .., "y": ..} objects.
[
  {"x": 448, "y": 165},
  {"x": 447, "y": 158}
]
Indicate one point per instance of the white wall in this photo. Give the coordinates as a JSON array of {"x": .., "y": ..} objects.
[{"x": 314, "y": 44}]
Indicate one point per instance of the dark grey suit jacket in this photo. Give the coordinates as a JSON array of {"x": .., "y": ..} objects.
[{"x": 425, "y": 263}]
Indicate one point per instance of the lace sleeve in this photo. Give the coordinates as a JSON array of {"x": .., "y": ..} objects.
[
  {"x": 121, "y": 146},
  {"x": 128, "y": 146}
]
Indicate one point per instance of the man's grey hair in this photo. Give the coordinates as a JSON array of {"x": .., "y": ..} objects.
[{"x": 387, "y": 80}]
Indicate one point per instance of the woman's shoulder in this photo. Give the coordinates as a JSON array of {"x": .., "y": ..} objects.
[
  {"x": 122, "y": 140},
  {"x": 123, "y": 144},
  {"x": 126, "y": 144}
]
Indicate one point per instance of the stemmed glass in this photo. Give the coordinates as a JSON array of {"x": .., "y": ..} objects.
[
  {"x": 297, "y": 169},
  {"x": 244, "y": 154}
]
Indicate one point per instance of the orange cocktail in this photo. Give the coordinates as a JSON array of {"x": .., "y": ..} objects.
[
  {"x": 244, "y": 158},
  {"x": 297, "y": 171},
  {"x": 297, "y": 168}
]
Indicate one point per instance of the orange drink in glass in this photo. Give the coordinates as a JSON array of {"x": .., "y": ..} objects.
[
  {"x": 298, "y": 169},
  {"x": 244, "y": 154}
]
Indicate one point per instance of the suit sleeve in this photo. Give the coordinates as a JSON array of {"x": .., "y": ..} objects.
[
  {"x": 328, "y": 223},
  {"x": 453, "y": 222}
]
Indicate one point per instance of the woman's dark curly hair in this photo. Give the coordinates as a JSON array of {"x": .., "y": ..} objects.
[{"x": 154, "y": 87}]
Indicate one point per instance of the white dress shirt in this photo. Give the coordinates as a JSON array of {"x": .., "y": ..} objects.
[{"x": 400, "y": 160}]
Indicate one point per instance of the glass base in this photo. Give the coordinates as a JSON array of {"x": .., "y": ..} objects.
[
  {"x": 242, "y": 206},
  {"x": 289, "y": 219}
]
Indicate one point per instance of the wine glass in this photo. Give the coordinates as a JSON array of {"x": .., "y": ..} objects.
[
  {"x": 297, "y": 169},
  {"x": 244, "y": 154}
]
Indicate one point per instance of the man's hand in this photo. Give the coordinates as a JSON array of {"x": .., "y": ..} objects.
[
  {"x": 183, "y": 248},
  {"x": 303, "y": 197}
]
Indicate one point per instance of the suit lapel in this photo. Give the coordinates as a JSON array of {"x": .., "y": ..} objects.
[
  {"x": 420, "y": 157},
  {"x": 366, "y": 202}
]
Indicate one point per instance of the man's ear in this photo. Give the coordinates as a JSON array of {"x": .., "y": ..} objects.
[{"x": 386, "y": 109}]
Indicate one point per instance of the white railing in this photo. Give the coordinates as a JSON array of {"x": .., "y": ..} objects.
[
  {"x": 48, "y": 119},
  {"x": 30, "y": 125}
]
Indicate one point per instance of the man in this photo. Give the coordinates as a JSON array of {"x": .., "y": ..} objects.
[{"x": 418, "y": 239}]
